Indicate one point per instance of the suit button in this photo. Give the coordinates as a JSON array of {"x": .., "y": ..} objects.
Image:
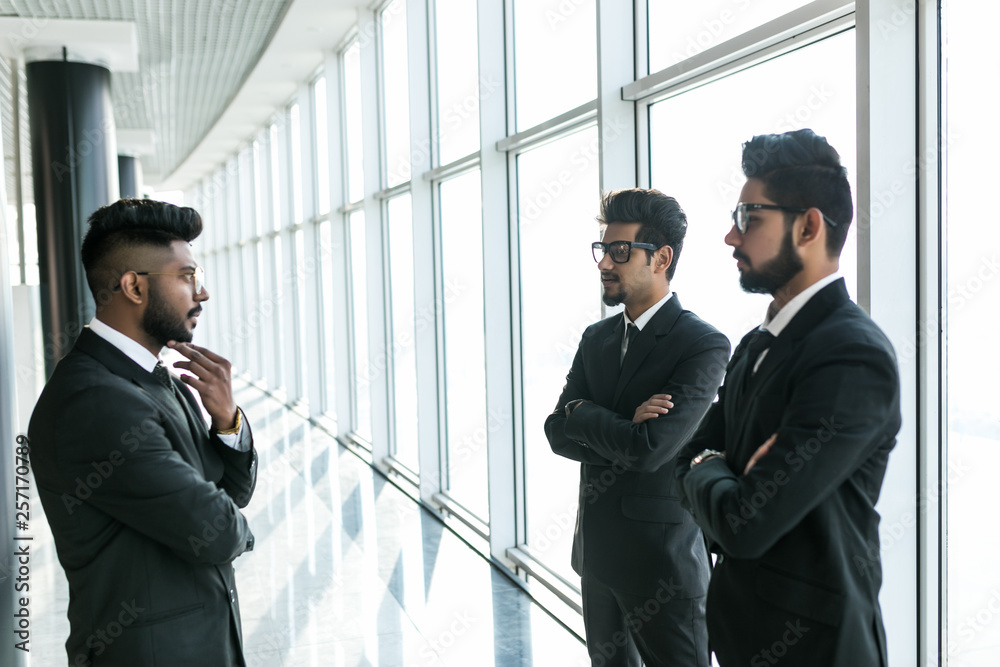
[{"x": 232, "y": 595}]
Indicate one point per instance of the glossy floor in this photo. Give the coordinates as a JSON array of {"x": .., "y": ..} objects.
[{"x": 347, "y": 570}]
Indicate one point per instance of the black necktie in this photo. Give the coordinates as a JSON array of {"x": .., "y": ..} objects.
[
  {"x": 630, "y": 333},
  {"x": 759, "y": 341},
  {"x": 162, "y": 375}
]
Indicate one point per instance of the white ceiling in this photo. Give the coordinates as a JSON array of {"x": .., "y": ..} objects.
[{"x": 210, "y": 72}]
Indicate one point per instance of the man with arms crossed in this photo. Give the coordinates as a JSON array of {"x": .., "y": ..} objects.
[
  {"x": 142, "y": 497},
  {"x": 639, "y": 384},
  {"x": 784, "y": 472}
]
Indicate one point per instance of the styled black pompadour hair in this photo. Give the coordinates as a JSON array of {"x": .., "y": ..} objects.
[
  {"x": 127, "y": 225},
  {"x": 801, "y": 169}
]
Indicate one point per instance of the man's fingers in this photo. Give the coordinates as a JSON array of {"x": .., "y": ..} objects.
[
  {"x": 207, "y": 352},
  {"x": 194, "y": 381},
  {"x": 193, "y": 352},
  {"x": 194, "y": 368}
]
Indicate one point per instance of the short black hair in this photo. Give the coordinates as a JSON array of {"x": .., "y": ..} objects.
[
  {"x": 663, "y": 220},
  {"x": 801, "y": 169},
  {"x": 121, "y": 228}
]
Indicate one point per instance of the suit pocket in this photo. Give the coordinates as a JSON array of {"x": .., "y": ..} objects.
[
  {"x": 800, "y": 597},
  {"x": 654, "y": 509},
  {"x": 169, "y": 615}
]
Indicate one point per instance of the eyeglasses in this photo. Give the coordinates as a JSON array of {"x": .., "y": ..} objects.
[
  {"x": 741, "y": 216},
  {"x": 197, "y": 277},
  {"x": 620, "y": 251}
]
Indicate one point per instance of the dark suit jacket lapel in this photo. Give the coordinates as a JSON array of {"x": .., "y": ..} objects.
[
  {"x": 608, "y": 360},
  {"x": 644, "y": 342},
  {"x": 736, "y": 383},
  {"x": 118, "y": 363},
  {"x": 815, "y": 311}
]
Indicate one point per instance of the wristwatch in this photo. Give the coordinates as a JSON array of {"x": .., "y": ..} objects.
[{"x": 705, "y": 455}]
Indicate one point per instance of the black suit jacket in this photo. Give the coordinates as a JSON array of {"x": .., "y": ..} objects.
[
  {"x": 632, "y": 533},
  {"x": 144, "y": 505},
  {"x": 799, "y": 572}
]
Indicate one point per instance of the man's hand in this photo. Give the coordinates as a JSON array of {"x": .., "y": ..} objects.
[
  {"x": 210, "y": 376},
  {"x": 656, "y": 405},
  {"x": 763, "y": 449}
]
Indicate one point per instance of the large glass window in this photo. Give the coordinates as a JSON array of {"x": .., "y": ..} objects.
[
  {"x": 680, "y": 30},
  {"x": 458, "y": 79},
  {"x": 402, "y": 343},
  {"x": 331, "y": 277},
  {"x": 322, "y": 147},
  {"x": 468, "y": 429},
  {"x": 396, "y": 93},
  {"x": 359, "y": 326},
  {"x": 274, "y": 148},
  {"x": 295, "y": 157},
  {"x": 553, "y": 36},
  {"x": 973, "y": 295},
  {"x": 352, "y": 123},
  {"x": 558, "y": 197},
  {"x": 296, "y": 280},
  {"x": 695, "y": 149}
]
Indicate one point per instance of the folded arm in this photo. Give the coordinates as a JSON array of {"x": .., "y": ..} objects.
[
  {"x": 842, "y": 415},
  {"x": 648, "y": 445}
]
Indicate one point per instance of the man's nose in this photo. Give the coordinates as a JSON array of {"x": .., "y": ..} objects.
[{"x": 733, "y": 238}]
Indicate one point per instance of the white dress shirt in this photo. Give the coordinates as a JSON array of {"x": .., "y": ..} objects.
[{"x": 642, "y": 320}]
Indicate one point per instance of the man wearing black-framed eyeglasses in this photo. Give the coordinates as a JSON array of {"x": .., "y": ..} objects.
[
  {"x": 785, "y": 469},
  {"x": 639, "y": 384}
]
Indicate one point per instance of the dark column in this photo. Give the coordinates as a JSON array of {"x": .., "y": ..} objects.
[
  {"x": 9, "y": 565},
  {"x": 129, "y": 177},
  {"x": 74, "y": 165}
]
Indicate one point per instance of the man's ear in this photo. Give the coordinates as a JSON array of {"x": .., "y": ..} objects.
[
  {"x": 133, "y": 289},
  {"x": 813, "y": 228},
  {"x": 664, "y": 257}
]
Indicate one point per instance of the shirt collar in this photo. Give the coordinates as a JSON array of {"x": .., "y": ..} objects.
[
  {"x": 643, "y": 319},
  {"x": 777, "y": 322},
  {"x": 129, "y": 347}
]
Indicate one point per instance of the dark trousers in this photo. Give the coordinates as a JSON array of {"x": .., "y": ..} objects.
[{"x": 627, "y": 630}]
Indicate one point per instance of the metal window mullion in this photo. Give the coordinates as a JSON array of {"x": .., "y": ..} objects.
[
  {"x": 310, "y": 304},
  {"x": 374, "y": 246},
  {"x": 337, "y": 389},
  {"x": 616, "y": 126},
  {"x": 549, "y": 130},
  {"x": 454, "y": 168},
  {"x": 932, "y": 586},
  {"x": 888, "y": 279},
  {"x": 427, "y": 314},
  {"x": 502, "y": 446}
]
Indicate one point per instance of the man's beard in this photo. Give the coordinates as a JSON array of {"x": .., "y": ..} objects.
[
  {"x": 615, "y": 299},
  {"x": 774, "y": 274},
  {"x": 162, "y": 324}
]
